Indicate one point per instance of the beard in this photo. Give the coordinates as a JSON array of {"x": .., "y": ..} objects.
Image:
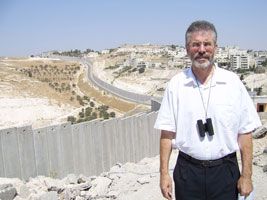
[{"x": 203, "y": 65}]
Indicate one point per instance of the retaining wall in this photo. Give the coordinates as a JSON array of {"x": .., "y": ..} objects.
[{"x": 88, "y": 148}]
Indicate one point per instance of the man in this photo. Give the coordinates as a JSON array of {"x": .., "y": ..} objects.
[{"x": 209, "y": 113}]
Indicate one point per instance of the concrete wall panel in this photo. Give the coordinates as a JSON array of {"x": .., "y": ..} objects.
[
  {"x": 67, "y": 148},
  {"x": 55, "y": 152},
  {"x": 97, "y": 130},
  {"x": 10, "y": 152},
  {"x": 26, "y": 151},
  {"x": 79, "y": 148},
  {"x": 124, "y": 142},
  {"x": 118, "y": 141},
  {"x": 130, "y": 139},
  {"x": 2, "y": 169},
  {"x": 41, "y": 151},
  {"x": 106, "y": 145},
  {"x": 91, "y": 168}
]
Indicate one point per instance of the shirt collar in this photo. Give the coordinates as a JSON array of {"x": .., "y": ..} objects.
[{"x": 217, "y": 77}]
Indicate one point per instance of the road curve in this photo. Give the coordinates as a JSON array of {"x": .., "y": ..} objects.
[{"x": 123, "y": 94}]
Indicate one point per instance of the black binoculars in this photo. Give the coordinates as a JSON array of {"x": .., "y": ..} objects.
[{"x": 207, "y": 127}]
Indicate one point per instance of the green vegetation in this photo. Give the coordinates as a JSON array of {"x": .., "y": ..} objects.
[
  {"x": 90, "y": 113},
  {"x": 122, "y": 71},
  {"x": 141, "y": 70},
  {"x": 259, "y": 70},
  {"x": 74, "y": 53},
  {"x": 112, "y": 67},
  {"x": 264, "y": 63}
]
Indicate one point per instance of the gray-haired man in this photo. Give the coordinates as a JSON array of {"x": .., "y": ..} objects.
[{"x": 209, "y": 113}]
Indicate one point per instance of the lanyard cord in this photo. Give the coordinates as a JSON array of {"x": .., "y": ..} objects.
[{"x": 206, "y": 109}]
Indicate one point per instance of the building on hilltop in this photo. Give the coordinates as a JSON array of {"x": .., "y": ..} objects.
[{"x": 239, "y": 62}]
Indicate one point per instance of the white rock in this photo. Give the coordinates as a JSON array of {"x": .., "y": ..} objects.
[
  {"x": 71, "y": 179},
  {"x": 49, "y": 196},
  {"x": 50, "y": 182},
  {"x": 114, "y": 194},
  {"x": 144, "y": 179},
  {"x": 24, "y": 191},
  {"x": 79, "y": 198},
  {"x": 113, "y": 176},
  {"x": 99, "y": 186},
  {"x": 83, "y": 179},
  {"x": 13, "y": 181},
  {"x": 80, "y": 187}
]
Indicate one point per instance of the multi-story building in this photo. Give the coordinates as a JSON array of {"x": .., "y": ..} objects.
[
  {"x": 239, "y": 61},
  {"x": 259, "y": 60}
]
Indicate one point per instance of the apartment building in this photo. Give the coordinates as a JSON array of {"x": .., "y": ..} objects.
[{"x": 239, "y": 61}]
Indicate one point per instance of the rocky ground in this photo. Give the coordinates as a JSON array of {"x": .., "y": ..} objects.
[{"x": 129, "y": 181}]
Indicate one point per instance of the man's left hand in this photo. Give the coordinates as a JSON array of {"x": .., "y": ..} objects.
[{"x": 244, "y": 186}]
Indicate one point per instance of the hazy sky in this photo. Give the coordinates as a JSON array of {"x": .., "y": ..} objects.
[{"x": 34, "y": 26}]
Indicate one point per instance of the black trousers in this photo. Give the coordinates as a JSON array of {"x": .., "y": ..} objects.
[{"x": 196, "y": 182}]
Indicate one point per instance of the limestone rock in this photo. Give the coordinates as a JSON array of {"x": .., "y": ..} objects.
[
  {"x": 260, "y": 132},
  {"x": 24, "y": 192},
  {"x": 71, "y": 179},
  {"x": 7, "y": 192},
  {"x": 49, "y": 196},
  {"x": 54, "y": 184},
  {"x": 113, "y": 194},
  {"x": 83, "y": 179},
  {"x": 81, "y": 187},
  {"x": 143, "y": 180},
  {"x": 265, "y": 168},
  {"x": 99, "y": 186}
]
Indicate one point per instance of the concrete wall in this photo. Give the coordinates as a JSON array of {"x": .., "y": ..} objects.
[
  {"x": 88, "y": 148},
  {"x": 155, "y": 104}
]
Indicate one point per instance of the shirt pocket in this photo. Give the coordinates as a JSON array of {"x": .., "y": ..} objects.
[{"x": 226, "y": 116}]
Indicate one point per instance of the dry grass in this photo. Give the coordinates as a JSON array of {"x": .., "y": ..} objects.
[
  {"x": 104, "y": 98},
  {"x": 17, "y": 83}
]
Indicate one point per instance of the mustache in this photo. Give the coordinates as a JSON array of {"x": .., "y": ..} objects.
[{"x": 201, "y": 55}]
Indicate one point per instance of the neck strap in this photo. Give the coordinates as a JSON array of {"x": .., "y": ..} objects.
[{"x": 205, "y": 109}]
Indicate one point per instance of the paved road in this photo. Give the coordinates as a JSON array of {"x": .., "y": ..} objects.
[{"x": 123, "y": 94}]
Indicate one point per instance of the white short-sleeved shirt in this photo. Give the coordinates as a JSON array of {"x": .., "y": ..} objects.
[{"x": 230, "y": 108}]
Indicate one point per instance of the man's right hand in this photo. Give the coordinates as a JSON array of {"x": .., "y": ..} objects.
[{"x": 166, "y": 186}]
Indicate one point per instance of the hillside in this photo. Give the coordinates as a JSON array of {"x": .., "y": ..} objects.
[{"x": 41, "y": 92}]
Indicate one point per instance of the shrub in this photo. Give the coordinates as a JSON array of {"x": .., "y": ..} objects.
[
  {"x": 105, "y": 115},
  {"x": 88, "y": 111},
  {"x": 92, "y": 104},
  {"x": 259, "y": 70},
  {"x": 141, "y": 70},
  {"x": 86, "y": 98},
  {"x": 80, "y": 120},
  {"x": 94, "y": 114},
  {"x": 81, "y": 114},
  {"x": 112, "y": 114},
  {"x": 71, "y": 119}
]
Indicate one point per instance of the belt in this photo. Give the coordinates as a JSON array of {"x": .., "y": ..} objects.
[{"x": 207, "y": 163}]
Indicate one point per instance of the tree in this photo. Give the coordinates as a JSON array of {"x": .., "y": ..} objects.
[
  {"x": 94, "y": 114},
  {"x": 141, "y": 70},
  {"x": 264, "y": 63},
  {"x": 71, "y": 119},
  {"x": 81, "y": 114},
  {"x": 112, "y": 114},
  {"x": 92, "y": 104},
  {"x": 105, "y": 115},
  {"x": 88, "y": 111},
  {"x": 259, "y": 70},
  {"x": 30, "y": 74}
]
